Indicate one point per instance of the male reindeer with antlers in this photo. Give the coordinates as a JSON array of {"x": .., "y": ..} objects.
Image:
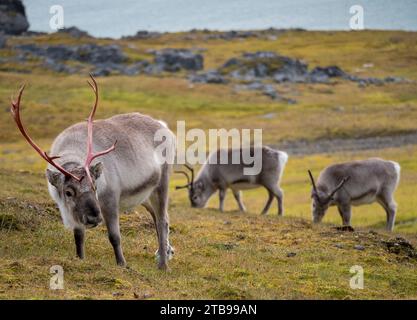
[
  {"x": 215, "y": 175},
  {"x": 356, "y": 183},
  {"x": 87, "y": 191}
]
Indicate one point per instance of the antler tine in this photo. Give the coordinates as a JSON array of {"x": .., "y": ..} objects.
[
  {"x": 340, "y": 185},
  {"x": 90, "y": 155},
  {"x": 188, "y": 180},
  {"x": 192, "y": 172},
  {"x": 93, "y": 86},
  {"x": 15, "y": 110},
  {"x": 312, "y": 181}
]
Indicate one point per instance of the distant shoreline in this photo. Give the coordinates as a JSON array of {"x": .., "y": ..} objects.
[{"x": 213, "y": 31}]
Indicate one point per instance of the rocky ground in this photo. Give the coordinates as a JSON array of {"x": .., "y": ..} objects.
[{"x": 303, "y": 147}]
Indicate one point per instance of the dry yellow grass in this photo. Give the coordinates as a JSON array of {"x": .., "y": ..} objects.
[{"x": 219, "y": 255}]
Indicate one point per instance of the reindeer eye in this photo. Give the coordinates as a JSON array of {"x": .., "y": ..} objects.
[{"x": 69, "y": 193}]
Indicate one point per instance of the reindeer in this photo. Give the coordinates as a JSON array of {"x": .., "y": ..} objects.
[
  {"x": 356, "y": 183},
  {"x": 215, "y": 176},
  {"x": 86, "y": 191}
]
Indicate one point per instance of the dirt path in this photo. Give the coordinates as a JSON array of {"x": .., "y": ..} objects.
[{"x": 302, "y": 147}]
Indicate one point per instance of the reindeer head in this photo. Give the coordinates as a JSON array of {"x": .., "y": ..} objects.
[
  {"x": 321, "y": 200},
  {"x": 198, "y": 192},
  {"x": 78, "y": 195}
]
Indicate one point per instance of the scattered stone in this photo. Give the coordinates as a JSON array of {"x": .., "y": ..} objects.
[
  {"x": 270, "y": 91},
  {"x": 263, "y": 64},
  {"x": 345, "y": 228},
  {"x": 270, "y": 115},
  {"x": 400, "y": 246},
  {"x": 211, "y": 76},
  {"x": 143, "y": 34},
  {"x": 359, "y": 247},
  {"x": 323, "y": 74},
  {"x": 74, "y": 32},
  {"x": 173, "y": 60},
  {"x": 90, "y": 53},
  {"x": 117, "y": 294},
  {"x": 13, "y": 17},
  {"x": 3, "y": 40}
]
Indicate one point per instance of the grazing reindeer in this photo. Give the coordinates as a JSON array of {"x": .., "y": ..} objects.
[
  {"x": 86, "y": 190},
  {"x": 215, "y": 176},
  {"x": 356, "y": 183}
]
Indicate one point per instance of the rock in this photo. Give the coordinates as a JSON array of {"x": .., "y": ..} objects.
[
  {"x": 74, "y": 32},
  {"x": 359, "y": 247},
  {"x": 291, "y": 254},
  {"x": 392, "y": 79},
  {"x": 323, "y": 74},
  {"x": 135, "y": 68},
  {"x": 265, "y": 64},
  {"x": 13, "y": 17},
  {"x": 339, "y": 245},
  {"x": 59, "y": 67},
  {"x": 143, "y": 34},
  {"x": 94, "y": 54},
  {"x": 400, "y": 246},
  {"x": 90, "y": 53},
  {"x": 211, "y": 76},
  {"x": 345, "y": 228},
  {"x": 173, "y": 60},
  {"x": 3, "y": 40},
  {"x": 270, "y": 91}
]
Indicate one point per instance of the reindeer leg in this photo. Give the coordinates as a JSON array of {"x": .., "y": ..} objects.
[
  {"x": 278, "y": 193},
  {"x": 222, "y": 195},
  {"x": 110, "y": 213},
  {"x": 79, "y": 236},
  {"x": 345, "y": 212},
  {"x": 238, "y": 196},
  {"x": 268, "y": 203},
  {"x": 159, "y": 203},
  {"x": 280, "y": 198},
  {"x": 390, "y": 207}
]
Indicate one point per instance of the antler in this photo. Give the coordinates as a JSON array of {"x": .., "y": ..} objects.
[
  {"x": 188, "y": 180},
  {"x": 189, "y": 183},
  {"x": 192, "y": 173},
  {"x": 90, "y": 155},
  {"x": 340, "y": 185},
  {"x": 15, "y": 110},
  {"x": 312, "y": 181}
]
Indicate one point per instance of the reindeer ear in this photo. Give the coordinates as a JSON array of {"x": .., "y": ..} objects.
[
  {"x": 96, "y": 170},
  {"x": 54, "y": 177}
]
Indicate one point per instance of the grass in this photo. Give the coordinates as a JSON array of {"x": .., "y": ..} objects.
[{"x": 218, "y": 255}]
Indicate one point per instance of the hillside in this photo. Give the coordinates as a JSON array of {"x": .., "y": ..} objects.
[{"x": 220, "y": 255}]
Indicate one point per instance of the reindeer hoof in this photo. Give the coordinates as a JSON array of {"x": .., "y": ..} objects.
[{"x": 170, "y": 253}]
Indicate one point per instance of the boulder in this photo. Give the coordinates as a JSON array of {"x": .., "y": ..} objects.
[
  {"x": 265, "y": 64},
  {"x": 74, "y": 32},
  {"x": 3, "y": 40},
  {"x": 173, "y": 60},
  {"x": 211, "y": 76},
  {"x": 90, "y": 53},
  {"x": 13, "y": 17},
  {"x": 143, "y": 34}
]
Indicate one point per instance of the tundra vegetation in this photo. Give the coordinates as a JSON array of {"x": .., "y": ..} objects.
[{"x": 219, "y": 254}]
